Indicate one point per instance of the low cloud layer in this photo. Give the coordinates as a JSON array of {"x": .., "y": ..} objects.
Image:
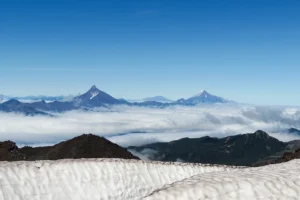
[{"x": 136, "y": 125}]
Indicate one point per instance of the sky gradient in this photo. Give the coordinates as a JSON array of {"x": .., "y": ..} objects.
[{"x": 247, "y": 51}]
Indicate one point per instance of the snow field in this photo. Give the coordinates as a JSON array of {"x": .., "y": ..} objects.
[
  {"x": 89, "y": 179},
  {"x": 280, "y": 182}
]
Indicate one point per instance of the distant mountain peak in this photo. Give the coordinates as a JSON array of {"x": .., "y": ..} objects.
[
  {"x": 294, "y": 131},
  {"x": 202, "y": 97},
  {"x": 95, "y": 98},
  {"x": 202, "y": 93},
  {"x": 93, "y": 92},
  {"x": 12, "y": 102},
  {"x": 157, "y": 99},
  {"x": 94, "y": 88},
  {"x": 43, "y": 102},
  {"x": 261, "y": 133}
]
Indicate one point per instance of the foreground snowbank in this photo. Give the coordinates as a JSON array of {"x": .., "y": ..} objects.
[
  {"x": 91, "y": 179},
  {"x": 281, "y": 181},
  {"x": 131, "y": 179}
]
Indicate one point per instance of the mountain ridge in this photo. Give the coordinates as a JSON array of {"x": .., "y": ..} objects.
[
  {"x": 96, "y": 98},
  {"x": 202, "y": 97},
  {"x": 242, "y": 149},
  {"x": 83, "y": 146}
]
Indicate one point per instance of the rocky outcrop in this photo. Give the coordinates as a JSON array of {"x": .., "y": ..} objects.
[{"x": 84, "y": 146}]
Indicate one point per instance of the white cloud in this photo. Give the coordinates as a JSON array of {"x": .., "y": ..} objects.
[{"x": 160, "y": 124}]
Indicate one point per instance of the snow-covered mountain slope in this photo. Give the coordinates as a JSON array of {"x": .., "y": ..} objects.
[
  {"x": 131, "y": 179},
  {"x": 202, "y": 97},
  {"x": 95, "y": 98},
  {"x": 92, "y": 179},
  {"x": 205, "y": 97},
  {"x": 280, "y": 181}
]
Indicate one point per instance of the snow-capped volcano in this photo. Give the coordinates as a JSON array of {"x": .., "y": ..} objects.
[
  {"x": 94, "y": 98},
  {"x": 202, "y": 97},
  {"x": 202, "y": 93},
  {"x": 97, "y": 98}
]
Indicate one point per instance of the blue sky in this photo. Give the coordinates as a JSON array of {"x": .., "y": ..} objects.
[{"x": 246, "y": 50}]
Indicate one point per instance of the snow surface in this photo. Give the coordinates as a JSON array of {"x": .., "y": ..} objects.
[
  {"x": 89, "y": 179},
  {"x": 94, "y": 94},
  {"x": 199, "y": 94},
  {"x": 281, "y": 181}
]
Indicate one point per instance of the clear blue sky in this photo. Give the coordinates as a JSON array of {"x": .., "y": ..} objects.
[{"x": 245, "y": 50}]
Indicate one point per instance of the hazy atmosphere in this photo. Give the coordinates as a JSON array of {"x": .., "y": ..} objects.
[
  {"x": 246, "y": 51},
  {"x": 156, "y": 99},
  {"x": 135, "y": 126},
  {"x": 245, "y": 54}
]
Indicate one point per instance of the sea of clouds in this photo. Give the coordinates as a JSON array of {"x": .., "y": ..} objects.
[{"x": 126, "y": 125}]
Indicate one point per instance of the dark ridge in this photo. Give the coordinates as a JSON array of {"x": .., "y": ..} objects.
[
  {"x": 294, "y": 131},
  {"x": 244, "y": 149},
  {"x": 84, "y": 146},
  {"x": 9, "y": 151},
  {"x": 285, "y": 157}
]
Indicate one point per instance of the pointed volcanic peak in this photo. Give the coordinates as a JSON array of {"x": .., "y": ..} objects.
[
  {"x": 202, "y": 93},
  {"x": 12, "y": 103},
  {"x": 203, "y": 97},
  {"x": 259, "y": 135},
  {"x": 95, "y": 98}
]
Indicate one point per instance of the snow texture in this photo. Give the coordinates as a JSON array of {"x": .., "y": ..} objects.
[
  {"x": 200, "y": 93},
  {"x": 93, "y": 95},
  {"x": 90, "y": 179},
  {"x": 281, "y": 181}
]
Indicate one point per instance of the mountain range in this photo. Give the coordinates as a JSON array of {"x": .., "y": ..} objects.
[
  {"x": 160, "y": 99},
  {"x": 29, "y": 99},
  {"x": 245, "y": 149},
  {"x": 252, "y": 149},
  {"x": 202, "y": 97},
  {"x": 96, "y": 98}
]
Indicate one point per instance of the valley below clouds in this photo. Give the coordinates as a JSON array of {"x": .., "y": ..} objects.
[{"x": 127, "y": 125}]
